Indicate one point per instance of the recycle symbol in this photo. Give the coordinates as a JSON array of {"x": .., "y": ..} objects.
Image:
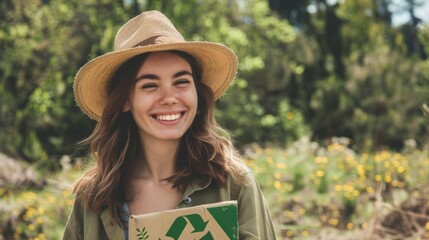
[
  {"x": 180, "y": 223},
  {"x": 199, "y": 225}
]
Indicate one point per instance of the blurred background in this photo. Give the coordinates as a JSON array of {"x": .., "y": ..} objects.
[{"x": 328, "y": 108}]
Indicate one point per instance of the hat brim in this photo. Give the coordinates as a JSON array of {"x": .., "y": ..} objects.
[{"x": 219, "y": 67}]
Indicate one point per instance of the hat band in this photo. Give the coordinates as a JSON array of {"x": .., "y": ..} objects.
[{"x": 161, "y": 39}]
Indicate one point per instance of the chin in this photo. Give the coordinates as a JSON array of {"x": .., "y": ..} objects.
[{"x": 171, "y": 137}]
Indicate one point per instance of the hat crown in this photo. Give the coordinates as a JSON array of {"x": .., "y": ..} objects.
[{"x": 148, "y": 28}]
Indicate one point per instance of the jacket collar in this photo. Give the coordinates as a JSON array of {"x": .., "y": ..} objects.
[
  {"x": 198, "y": 183},
  {"x": 113, "y": 230}
]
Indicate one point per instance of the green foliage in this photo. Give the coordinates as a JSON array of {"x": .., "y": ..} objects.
[
  {"x": 359, "y": 78},
  {"x": 240, "y": 111},
  {"x": 36, "y": 80},
  {"x": 311, "y": 188},
  {"x": 342, "y": 71}
]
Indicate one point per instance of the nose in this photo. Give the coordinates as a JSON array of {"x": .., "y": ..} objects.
[{"x": 168, "y": 96}]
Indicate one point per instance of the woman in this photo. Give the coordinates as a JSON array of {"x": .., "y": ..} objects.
[{"x": 157, "y": 145}]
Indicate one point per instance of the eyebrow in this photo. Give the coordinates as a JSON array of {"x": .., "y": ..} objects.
[{"x": 156, "y": 77}]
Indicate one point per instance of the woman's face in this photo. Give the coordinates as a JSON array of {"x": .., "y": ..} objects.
[{"x": 164, "y": 99}]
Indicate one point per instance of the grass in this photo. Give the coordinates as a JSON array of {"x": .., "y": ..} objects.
[{"x": 314, "y": 192}]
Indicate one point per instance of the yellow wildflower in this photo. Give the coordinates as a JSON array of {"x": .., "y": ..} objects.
[
  {"x": 41, "y": 236},
  {"x": 277, "y": 185},
  {"x": 40, "y": 211},
  {"x": 334, "y": 221},
  {"x": 378, "y": 158},
  {"x": 51, "y": 199},
  {"x": 386, "y": 164},
  {"x": 281, "y": 165},
  {"x": 350, "y": 159},
  {"x": 387, "y": 178},
  {"x": 270, "y": 160},
  {"x": 304, "y": 233},
  {"x": 321, "y": 160},
  {"x": 348, "y": 188},
  {"x": 31, "y": 227},
  {"x": 378, "y": 178},
  {"x": 360, "y": 169},
  {"x": 335, "y": 147},
  {"x": 320, "y": 173},
  {"x": 66, "y": 193},
  {"x": 336, "y": 213}
]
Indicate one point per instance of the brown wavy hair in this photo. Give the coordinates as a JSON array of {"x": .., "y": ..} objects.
[{"x": 205, "y": 148}]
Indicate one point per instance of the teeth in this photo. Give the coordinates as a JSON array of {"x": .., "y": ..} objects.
[{"x": 170, "y": 117}]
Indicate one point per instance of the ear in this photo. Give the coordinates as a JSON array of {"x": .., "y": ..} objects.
[{"x": 126, "y": 107}]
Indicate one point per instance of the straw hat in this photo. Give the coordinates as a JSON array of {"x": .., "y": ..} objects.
[{"x": 149, "y": 32}]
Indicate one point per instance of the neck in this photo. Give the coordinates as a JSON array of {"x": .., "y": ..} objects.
[{"x": 158, "y": 159}]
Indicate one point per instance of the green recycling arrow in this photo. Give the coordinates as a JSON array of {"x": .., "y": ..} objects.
[
  {"x": 218, "y": 214},
  {"x": 179, "y": 225}
]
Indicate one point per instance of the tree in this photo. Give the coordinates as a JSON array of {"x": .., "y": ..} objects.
[
  {"x": 39, "y": 118},
  {"x": 348, "y": 39}
]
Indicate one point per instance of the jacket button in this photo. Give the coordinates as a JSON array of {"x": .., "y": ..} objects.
[{"x": 187, "y": 200}]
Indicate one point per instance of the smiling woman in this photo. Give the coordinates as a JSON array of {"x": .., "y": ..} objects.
[
  {"x": 157, "y": 144},
  {"x": 164, "y": 100}
]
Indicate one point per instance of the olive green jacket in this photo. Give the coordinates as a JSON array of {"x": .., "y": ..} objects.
[{"x": 253, "y": 215}]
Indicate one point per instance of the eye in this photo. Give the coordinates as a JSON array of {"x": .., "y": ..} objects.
[
  {"x": 182, "y": 82},
  {"x": 149, "y": 86}
]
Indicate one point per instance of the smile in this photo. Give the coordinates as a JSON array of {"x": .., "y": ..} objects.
[{"x": 168, "y": 117}]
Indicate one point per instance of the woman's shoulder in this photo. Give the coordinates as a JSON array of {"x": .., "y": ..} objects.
[
  {"x": 241, "y": 168},
  {"x": 80, "y": 208},
  {"x": 241, "y": 175}
]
